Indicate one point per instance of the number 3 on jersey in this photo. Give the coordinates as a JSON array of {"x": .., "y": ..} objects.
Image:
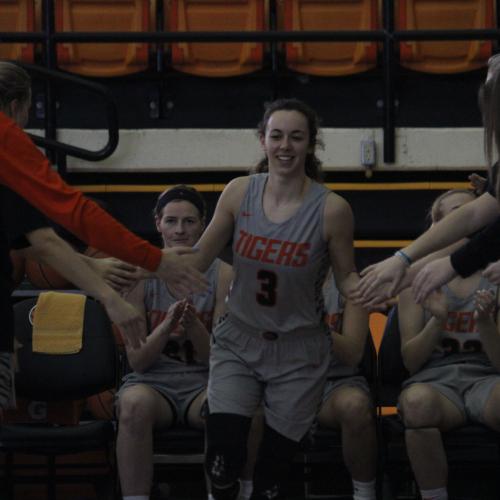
[{"x": 268, "y": 284}]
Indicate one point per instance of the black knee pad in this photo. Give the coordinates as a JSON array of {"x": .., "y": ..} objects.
[
  {"x": 273, "y": 465},
  {"x": 227, "y": 436}
]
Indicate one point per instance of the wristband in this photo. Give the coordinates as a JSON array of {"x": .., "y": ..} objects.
[{"x": 404, "y": 257}]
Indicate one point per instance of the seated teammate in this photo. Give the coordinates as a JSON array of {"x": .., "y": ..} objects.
[
  {"x": 451, "y": 346},
  {"x": 170, "y": 370}
]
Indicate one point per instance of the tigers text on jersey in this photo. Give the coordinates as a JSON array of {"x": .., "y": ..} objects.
[{"x": 279, "y": 267}]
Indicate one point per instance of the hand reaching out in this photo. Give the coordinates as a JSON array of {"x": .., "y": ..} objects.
[
  {"x": 117, "y": 274},
  {"x": 431, "y": 277},
  {"x": 177, "y": 271},
  {"x": 391, "y": 270}
]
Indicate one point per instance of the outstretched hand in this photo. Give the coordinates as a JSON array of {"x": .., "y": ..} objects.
[
  {"x": 432, "y": 276},
  {"x": 117, "y": 274},
  {"x": 176, "y": 270},
  {"x": 369, "y": 289}
]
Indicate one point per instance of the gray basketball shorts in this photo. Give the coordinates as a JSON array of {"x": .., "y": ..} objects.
[
  {"x": 178, "y": 388},
  {"x": 285, "y": 372},
  {"x": 333, "y": 383},
  {"x": 467, "y": 385}
]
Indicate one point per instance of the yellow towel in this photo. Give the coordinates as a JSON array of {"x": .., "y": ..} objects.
[{"x": 58, "y": 323}]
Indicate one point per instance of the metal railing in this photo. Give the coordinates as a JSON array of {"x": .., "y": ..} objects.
[
  {"x": 387, "y": 36},
  {"x": 62, "y": 149}
]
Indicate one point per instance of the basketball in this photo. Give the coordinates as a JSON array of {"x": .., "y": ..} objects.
[
  {"x": 101, "y": 405},
  {"x": 18, "y": 267},
  {"x": 45, "y": 277}
]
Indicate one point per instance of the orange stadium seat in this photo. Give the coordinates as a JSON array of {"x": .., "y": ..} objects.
[
  {"x": 103, "y": 59},
  {"x": 17, "y": 15},
  {"x": 445, "y": 57},
  {"x": 327, "y": 58},
  {"x": 216, "y": 59}
]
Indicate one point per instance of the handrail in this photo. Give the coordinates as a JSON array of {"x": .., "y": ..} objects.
[{"x": 111, "y": 113}]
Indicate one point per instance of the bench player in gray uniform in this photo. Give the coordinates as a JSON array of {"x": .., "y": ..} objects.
[
  {"x": 451, "y": 347},
  {"x": 169, "y": 380},
  {"x": 273, "y": 347},
  {"x": 347, "y": 403}
]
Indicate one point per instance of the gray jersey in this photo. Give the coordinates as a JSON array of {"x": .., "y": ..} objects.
[
  {"x": 334, "y": 310},
  {"x": 279, "y": 268},
  {"x": 157, "y": 300},
  {"x": 460, "y": 338}
]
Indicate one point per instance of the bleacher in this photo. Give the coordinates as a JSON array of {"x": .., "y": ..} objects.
[{"x": 355, "y": 65}]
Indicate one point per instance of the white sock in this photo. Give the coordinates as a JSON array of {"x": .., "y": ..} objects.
[
  {"x": 363, "y": 490},
  {"x": 246, "y": 488},
  {"x": 136, "y": 497},
  {"x": 210, "y": 497},
  {"x": 436, "y": 494}
]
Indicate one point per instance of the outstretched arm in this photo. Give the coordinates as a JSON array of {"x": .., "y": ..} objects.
[
  {"x": 338, "y": 231},
  {"x": 49, "y": 248},
  {"x": 116, "y": 273},
  {"x": 27, "y": 171},
  {"x": 458, "y": 224},
  {"x": 220, "y": 230}
]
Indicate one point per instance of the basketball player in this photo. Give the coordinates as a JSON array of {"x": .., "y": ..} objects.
[
  {"x": 451, "y": 346},
  {"x": 273, "y": 347},
  {"x": 168, "y": 384}
]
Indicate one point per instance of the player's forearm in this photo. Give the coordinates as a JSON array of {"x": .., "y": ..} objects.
[
  {"x": 147, "y": 354},
  {"x": 55, "y": 252}
]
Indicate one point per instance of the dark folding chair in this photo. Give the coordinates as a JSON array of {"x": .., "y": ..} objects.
[
  {"x": 59, "y": 378},
  {"x": 472, "y": 446}
]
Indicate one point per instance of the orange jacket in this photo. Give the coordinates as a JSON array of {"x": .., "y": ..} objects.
[{"x": 25, "y": 170}]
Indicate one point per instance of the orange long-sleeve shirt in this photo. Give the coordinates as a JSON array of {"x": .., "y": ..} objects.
[{"x": 25, "y": 170}]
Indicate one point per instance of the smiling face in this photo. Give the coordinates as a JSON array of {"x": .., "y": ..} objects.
[
  {"x": 286, "y": 141},
  {"x": 180, "y": 224}
]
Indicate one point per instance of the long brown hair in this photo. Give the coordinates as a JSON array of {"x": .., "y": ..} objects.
[
  {"x": 489, "y": 103},
  {"x": 313, "y": 164}
]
